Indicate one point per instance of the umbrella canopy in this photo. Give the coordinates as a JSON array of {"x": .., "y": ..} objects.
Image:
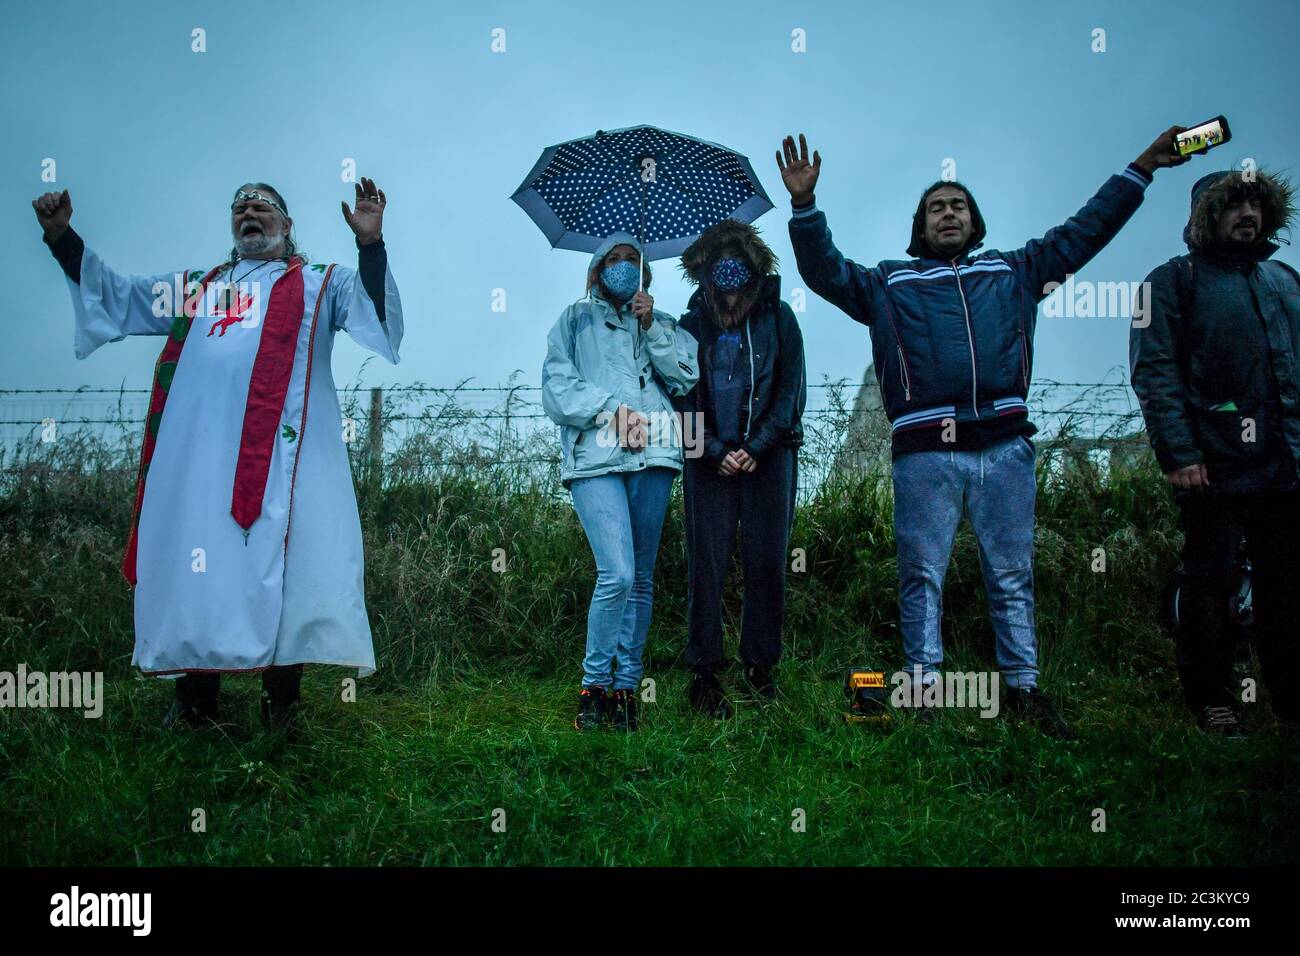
[{"x": 661, "y": 186}]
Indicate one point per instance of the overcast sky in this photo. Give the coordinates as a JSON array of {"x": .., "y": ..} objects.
[{"x": 152, "y": 138}]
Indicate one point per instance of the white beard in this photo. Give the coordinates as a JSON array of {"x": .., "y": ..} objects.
[{"x": 257, "y": 244}]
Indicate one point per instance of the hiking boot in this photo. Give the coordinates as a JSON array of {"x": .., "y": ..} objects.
[
  {"x": 593, "y": 708},
  {"x": 760, "y": 682},
  {"x": 1029, "y": 703},
  {"x": 1220, "y": 720},
  {"x": 707, "y": 696},
  {"x": 622, "y": 710}
]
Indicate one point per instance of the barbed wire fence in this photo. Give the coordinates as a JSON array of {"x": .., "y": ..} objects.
[{"x": 500, "y": 432}]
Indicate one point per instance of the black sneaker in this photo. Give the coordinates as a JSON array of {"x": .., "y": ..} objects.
[
  {"x": 1029, "y": 703},
  {"x": 760, "y": 682},
  {"x": 622, "y": 710},
  {"x": 707, "y": 696},
  {"x": 593, "y": 708},
  {"x": 1220, "y": 720}
]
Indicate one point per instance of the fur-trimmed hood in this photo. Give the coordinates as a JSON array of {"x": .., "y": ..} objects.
[
  {"x": 1214, "y": 192},
  {"x": 733, "y": 234}
]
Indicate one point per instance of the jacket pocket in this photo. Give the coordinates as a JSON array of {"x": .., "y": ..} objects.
[
  {"x": 1238, "y": 435},
  {"x": 903, "y": 376},
  {"x": 569, "y": 437}
]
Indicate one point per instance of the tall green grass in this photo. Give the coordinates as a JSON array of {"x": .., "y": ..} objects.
[{"x": 470, "y": 710}]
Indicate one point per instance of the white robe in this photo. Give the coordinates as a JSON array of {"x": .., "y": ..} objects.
[{"x": 291, "y": 591}]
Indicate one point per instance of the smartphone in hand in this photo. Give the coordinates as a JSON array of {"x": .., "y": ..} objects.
[{"x": 1203, "y": 137}]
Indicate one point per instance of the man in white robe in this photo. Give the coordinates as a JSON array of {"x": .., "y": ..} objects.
[{"x": 247, "y": 552}]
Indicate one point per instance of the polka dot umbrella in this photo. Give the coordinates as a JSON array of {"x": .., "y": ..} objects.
[{"x": 663, "y": 187}]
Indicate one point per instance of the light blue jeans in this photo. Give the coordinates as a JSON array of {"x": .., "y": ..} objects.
[
  {"x": 996, "y": 488},
  {"x": 623, "y": 515}
]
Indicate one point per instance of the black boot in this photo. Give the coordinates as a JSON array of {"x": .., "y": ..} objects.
[
  {"x": 1220, "y": 720},
  {"x": 593, "y": 708},
  {"x": 760, "y": 682},
  {"x": 623, "y": 710},
  {"x": 196, "y": 699},
  {"x": 708, "y": 697},
  {"x": 281, "y": 691},
  {"x": 1030, "y": 704}
]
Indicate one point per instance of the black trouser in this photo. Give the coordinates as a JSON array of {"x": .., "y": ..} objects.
[
  {"x": 1213, "y": 526},
  {"x": 762, "y": 503},
  {"x": 200, "y": 688}
]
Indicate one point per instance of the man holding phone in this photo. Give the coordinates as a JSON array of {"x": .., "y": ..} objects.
[
  {"x": 1214, "y": 368},
  {"x": 952, "y": 343}
]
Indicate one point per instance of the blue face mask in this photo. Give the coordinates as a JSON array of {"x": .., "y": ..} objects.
[
  {"x": 729, "y": 275},
  {"x": 622, "y": 279}
]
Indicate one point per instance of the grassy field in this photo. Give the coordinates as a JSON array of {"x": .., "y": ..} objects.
[{"x": 469, "y": 719}]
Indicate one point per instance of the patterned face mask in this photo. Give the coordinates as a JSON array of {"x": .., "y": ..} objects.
[
  {"x": 622, "y": 279},
  {"x": 729, "y": 275}
]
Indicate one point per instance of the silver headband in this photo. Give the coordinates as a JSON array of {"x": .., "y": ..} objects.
[{"x": 246, "y": 195}]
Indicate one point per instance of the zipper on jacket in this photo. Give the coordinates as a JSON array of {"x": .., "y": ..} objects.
[
  {"x": 750, "y": 417},
  {"x": 902, "y": 359},
  {"x": 1024, "y": 344},
  {"x": 902, "y": 373},
  {"x": 970, "y": 335}
]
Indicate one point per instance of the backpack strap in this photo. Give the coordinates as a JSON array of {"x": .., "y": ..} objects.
[{"x": 1185, "y": 283}]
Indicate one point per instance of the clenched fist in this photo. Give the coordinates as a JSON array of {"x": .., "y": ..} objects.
[{"x": 53, "y": 212}]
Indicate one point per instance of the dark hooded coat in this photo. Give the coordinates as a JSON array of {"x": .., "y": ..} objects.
[
  {"x": 776, "y": 381},
  {"x": 1215, "y": 361}
]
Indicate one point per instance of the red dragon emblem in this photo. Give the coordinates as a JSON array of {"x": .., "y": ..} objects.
[{"x": 232, "y": 311}]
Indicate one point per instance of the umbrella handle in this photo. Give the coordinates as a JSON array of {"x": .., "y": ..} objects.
[{"x": 640, "y": 279}]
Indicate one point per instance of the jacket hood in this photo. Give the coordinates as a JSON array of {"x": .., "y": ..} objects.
[
  {"x": 1213, "y": 193},
  {"x": 918, "y": 248},
  {"x": 730, "y": 233},
  {"x": 697, "y": 307},
  {"x": 612, "y": 240}
]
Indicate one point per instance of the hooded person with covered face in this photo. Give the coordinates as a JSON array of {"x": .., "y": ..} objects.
[
  {"x": 613, "y": 364},
  {"x": 749, "y": 402},
  {"x": 952, "y": 343},
  {"x": 1215, "y": 359}
]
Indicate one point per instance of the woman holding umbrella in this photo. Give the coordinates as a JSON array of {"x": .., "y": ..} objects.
[
  {"x": 750, "y": 399},
  {"x": 612, "y": 366}
]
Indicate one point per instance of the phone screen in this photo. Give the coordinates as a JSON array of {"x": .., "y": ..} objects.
[{"x": 1200, "y": 138}]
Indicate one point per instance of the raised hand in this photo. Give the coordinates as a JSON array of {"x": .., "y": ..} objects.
[
  {"x": 54, "y": 213},
  {"x": 798, "y": 174},
  {"x": 367, "y": 220},
  {"x": 1162, "y": 152}
]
